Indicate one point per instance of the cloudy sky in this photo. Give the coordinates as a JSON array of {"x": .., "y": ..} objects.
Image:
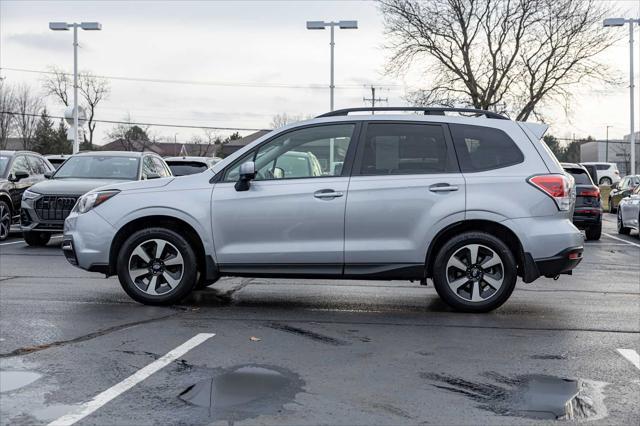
[{"x": 237, "y": 63}]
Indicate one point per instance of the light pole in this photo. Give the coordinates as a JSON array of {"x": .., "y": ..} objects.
[
  {"x": 321, "y": 25},
  {"x": 619, "y": 22},
  {"x": 64, "y": 26},
  {"x": 606, "y": 152}
]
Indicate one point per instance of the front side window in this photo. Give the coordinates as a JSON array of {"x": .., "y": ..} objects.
[
  {"x": 482, "y": 148},
  {"x": 402, "y": 148},
  {"x": 21, "y": 164},
  {"x": 99, "y": 167},
  {"x": 306, "y": 153}
]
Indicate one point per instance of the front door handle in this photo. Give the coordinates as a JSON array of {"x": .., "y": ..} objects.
[
  {"x": 327, "y": 193},
  {"x": 439, "y": 187}
]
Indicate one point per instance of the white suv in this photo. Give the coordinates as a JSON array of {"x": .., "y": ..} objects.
[
  {"x": 470, "y": 202},
  {"x": 608, "y": 173}
]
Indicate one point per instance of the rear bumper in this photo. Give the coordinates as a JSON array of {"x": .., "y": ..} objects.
[
  {"x": 550, "y": 267},
  {"x": 587, "y": 217}
]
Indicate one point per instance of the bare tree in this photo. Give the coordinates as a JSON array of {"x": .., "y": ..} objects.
[
  {"x": 27, "y": 111},
  {"x": 283, "y": 119},
  {"x": 623, "y": 151},
  {"x": 502, "y": 55},
  {"x": 7, "y": 105},
  {"x": 91, "y": 89}
]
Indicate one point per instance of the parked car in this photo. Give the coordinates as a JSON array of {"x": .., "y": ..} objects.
[
  {"x": 621, "y": 190},
  {"x": 587, "y": 214},
  {"x": 19, "y": 170},
  {"x": 608, "y": 173},
  {"x": 182, "y": 166},
  {"x": 57, "y": 159},
  {"x": 46, "y": 205},
  {"x": 629, "y": 213},
  {"x": 405, "y": 205}
]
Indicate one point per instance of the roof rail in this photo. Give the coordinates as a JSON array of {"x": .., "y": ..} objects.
[{"x": 425, "y": 110}]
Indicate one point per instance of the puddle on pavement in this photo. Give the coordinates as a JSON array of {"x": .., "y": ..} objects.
[
  {"x": 12, "y": 380},
  {"x": 533, "y": 396},
  {"x": 244, "y": 392}
]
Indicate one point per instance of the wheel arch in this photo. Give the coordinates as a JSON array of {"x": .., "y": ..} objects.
[
  {"x": 496, "y": 229},
  {"x": 158, "y": 221},
  {"x": 5, "y": 197}
]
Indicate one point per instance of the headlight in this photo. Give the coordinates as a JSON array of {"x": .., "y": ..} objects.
[
  {"x": 93, "y": 199},
  {"x": 29, "y": 195}
]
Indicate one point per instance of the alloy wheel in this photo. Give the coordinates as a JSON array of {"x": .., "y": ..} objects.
[
  {"x": 5, "y": 221},
  {"x": 475, "y": 273},
  {"x": 156, "y": 267}
]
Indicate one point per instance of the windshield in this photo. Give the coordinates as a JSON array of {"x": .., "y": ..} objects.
[
  {"x": 182, "y": 168},
  {"x": 581, "y": 176},
  {"x": 99, "y": 167},
  {"x": 4, "y": 162}
]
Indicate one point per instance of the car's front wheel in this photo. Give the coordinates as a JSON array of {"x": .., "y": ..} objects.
[
  {"x": 474, "y": 272},
  {"x": 5, "y": 220},
  {"x": 36, "y": 239},
  {"x": 621, "y": 228},
  {"x": 157, "y": 266}
]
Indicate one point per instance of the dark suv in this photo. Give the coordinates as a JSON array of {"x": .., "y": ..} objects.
[
  {"x": 588, "y": 210},
  {"x": 46, "y": 205},
  {"x": 18, "y": 171}
]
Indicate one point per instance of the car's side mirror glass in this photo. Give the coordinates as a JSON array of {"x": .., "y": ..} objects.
[
  {"x": 48, "y": 174},
  {"x": 278, "y": 173},
  {"x": 18, "y": 175},
  {"x": 246, "y": 174}
]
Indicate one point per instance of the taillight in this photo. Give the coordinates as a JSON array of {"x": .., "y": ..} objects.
[
  {"x": 558, "y": 187},
  {"x": 590, "y": 193}
]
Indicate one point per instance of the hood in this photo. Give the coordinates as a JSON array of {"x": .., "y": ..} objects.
[
  {"x": 142, "y": 184},
  {"x": 71, "y": 185}
]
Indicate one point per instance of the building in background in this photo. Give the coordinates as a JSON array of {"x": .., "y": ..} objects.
[{"x": 619, "y": 152}]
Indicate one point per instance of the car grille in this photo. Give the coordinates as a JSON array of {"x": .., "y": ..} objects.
[{"x": 55, "y": 207}]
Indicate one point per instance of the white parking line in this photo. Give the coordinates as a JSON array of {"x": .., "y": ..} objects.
[
  {"x": 620, "y": 239},
  {"x": 101, "y": 399},
  {"x": 631, "y": 355},
  {"x": 12, "y": 242}
]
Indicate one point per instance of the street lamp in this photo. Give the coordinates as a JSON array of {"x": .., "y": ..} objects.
[
  {"x": 64, "y": 26},
  {"x": 321, "y": 25},
  {"x": 619, "y": 22},
  {"x": 606, "y": 152}
]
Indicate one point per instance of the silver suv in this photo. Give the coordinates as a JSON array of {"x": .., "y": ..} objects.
[{"x": 471, "y": 202}]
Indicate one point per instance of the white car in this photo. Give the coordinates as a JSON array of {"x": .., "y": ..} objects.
[{"x": 608, "y": 173}]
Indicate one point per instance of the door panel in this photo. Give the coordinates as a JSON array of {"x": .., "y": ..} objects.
[
  {"x": 280, "y": 222},
  {"x": 391, "y": 219}
]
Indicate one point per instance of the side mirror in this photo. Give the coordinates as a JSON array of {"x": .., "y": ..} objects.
[
  {"x": 18, "y": 175},
  {"x": 48, "y": 174},
  {"x": 278, "y": 173},
  {"x": 247, "y": 173}
]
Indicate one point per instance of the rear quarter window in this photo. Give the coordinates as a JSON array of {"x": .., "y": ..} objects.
[
  {"x": 581, "y": 176},
  {"x": 484, "y": 148}
]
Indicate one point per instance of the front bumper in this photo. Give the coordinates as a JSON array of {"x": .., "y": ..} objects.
[{"x": 87, "y": 240}]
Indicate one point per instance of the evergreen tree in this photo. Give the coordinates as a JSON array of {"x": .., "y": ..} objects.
[{"x": 44, "y": 135}]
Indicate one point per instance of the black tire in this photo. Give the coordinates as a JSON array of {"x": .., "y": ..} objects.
[
  {"x": 594, "y": 232},
  {"x": 605, "y": 181},
  {"x": 187, "y": 280},
  {"x": 509, "y": 272},
  {"x": 6, "y": 217},
  {"x": 36, "y": 239},
  {"x": 622, "y": 230},
  {"x": 611, "y": 208}
]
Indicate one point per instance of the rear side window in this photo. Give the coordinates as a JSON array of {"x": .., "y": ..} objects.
[
  {"x": 402, "y": 148},
  {"x": 182, "y": 168},
  {"x": 602, "y": 166},
  {"x": 581, "y": 176},
  {"x": 484, "y": 148}
]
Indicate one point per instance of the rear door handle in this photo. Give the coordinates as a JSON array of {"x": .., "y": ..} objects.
[
  {"x": 439, "y": 187},
  {"x": 327, "y": 193}
]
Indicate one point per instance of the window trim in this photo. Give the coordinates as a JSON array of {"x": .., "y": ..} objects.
[
  {"x": 452, "y": 161},
  {"x": 220, "y": 177},
  {"x": 502, "y": 166}
]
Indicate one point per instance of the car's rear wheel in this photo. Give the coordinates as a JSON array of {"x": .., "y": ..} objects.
[
  {"x": 605, "y": 181},
  {"x": 474, "y": 272},
  {"x": 594, "y": 232},
  {"x": 157, "y": 266},
  {"x": 5, "y": 220},
  {"x": 36, "y": 239},
  {"x": 621, "y": 228}
]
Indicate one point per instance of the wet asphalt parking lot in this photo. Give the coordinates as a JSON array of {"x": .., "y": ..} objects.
[{"x": 75, "y": 348}]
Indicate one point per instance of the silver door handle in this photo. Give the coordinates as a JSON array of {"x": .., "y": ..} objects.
[
  {"x": 447, "y": 188},
  {"x": 327, "y": 194}
]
